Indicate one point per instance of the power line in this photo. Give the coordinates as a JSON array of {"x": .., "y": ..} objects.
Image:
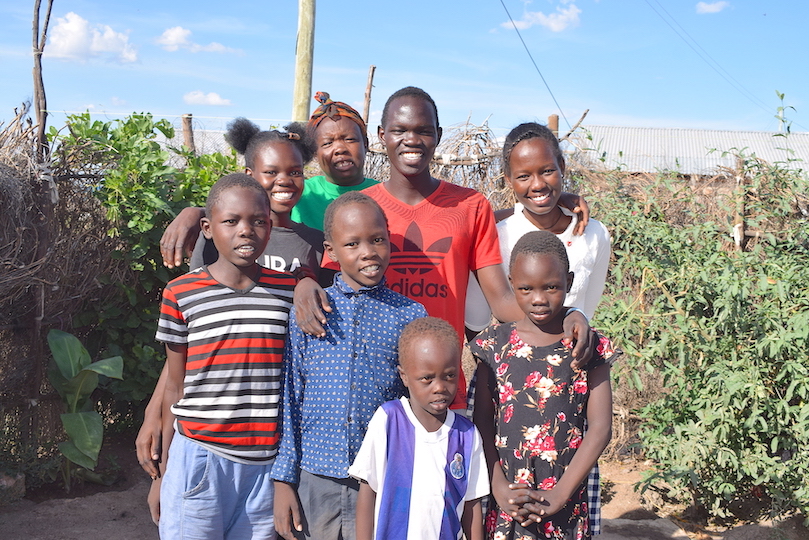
[
  {"x": 707, "y": 58},
  {"x": 535, "y": 64}
]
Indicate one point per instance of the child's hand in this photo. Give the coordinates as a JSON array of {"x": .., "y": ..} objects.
[
  {"x": 577, "y": 331},
  {"x": 153, "y": 500},
  {"x": 577, "y": 205},
  {"x": 286, "y": 511},
  {"x": 180, "y": 236},
  {"x": 148, "y": 443},
  {"x": 506, "y": 493},
  {"x": 310, "y": 304},
  {"x": 536, "y": 505}
]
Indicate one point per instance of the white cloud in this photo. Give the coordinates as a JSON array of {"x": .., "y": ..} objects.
[
  {"x": 713, "y": 7},
  {"x": 176, "y": 38},
  {"x": 563, "y": 18},
  {"x": 117, "y": 102},
  {"x": 73, "y": 38},
  {"x": 197, "y": 97}
]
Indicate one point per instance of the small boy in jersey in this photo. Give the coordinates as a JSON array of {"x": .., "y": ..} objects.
[
  {"x": 224, "y": 326},
  {"x": 421, "y": 466}
]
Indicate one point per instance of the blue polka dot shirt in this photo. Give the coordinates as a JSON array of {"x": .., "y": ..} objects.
[{"x": 334, "y": 384}]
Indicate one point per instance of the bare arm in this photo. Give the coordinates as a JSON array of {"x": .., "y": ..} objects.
[
  {"x": 498, "y": 293},
  {"x": 148, "y": 441},
  {"x": 471, "y": 520},
  {"x": 175, "y": 361},
  {"x": 310, "y": 304},
  {"x": 170, "y": 394},
  {"x": 180, "y": 236},
  {"x": 366, "y": 500},
  {"x": 577, "y": 205},
  {"x": 599, "y": 433}
]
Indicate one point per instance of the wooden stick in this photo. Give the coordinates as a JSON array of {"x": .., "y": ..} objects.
[{"x": 367, "y": 108}]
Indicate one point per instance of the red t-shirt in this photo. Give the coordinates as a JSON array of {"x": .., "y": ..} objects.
[{"x": 434, "y": 246}]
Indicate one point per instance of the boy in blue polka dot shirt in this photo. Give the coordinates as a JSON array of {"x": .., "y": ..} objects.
[{"x": 334, "y": 383}]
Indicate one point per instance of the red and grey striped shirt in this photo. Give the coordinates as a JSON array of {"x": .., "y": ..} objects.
[{"x": 234, "y": 364}]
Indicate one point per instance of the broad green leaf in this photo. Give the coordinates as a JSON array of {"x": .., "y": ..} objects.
[
  {"x": 86, "y": 431},
  {"x": 68, "y": 352},
  {"x": 111, "y": 367},
  {"x": 72, "y": 453}
]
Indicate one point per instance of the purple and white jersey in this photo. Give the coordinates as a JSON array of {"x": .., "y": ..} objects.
[{"x": 422, "y": 479}]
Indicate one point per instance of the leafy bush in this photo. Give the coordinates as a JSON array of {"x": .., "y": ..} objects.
[
  {"x": 129, "y": 171},
  {"x": 726, "y": 330}
]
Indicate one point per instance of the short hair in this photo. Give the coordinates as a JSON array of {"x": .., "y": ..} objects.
[
  {"x": 350, "y": 197},
  {"x": 231, "y": 181},
  {"x": 424, "y": 327},
  {"x": 524, "y": 132},
  {"x": 409, "y": 91},
  {"x": 540, "y": 243},
  {"x": 247, "y": 138}
]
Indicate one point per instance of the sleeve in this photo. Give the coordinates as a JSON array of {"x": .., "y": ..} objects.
[
  {"x": 204, "y": 253},
  {"x": 286, "y": 467},
  {"x": 598, "y": 275},
  {"x": 477, "y": 314},
  {"x": 485, "y": 245},
  {"x": 171, "y": 327},
  {"x": 370, "y": 463},
  {"x": 478, "y": 485}
]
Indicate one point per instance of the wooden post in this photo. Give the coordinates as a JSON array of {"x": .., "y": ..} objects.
[
  {"x": 739, "y": 236},
  {"x": 45, "y": 195},
  {"x": 553, "y": 124},
  {"x": 188, "y": 133},
  {"x": 304, "y": 53},
  {"x": 366, "y": 111}
]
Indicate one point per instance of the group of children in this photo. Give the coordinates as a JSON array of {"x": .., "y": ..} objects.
[{"x": 332, "y": 418}]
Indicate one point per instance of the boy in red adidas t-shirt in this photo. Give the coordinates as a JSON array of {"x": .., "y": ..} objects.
[{"x": 439, "y": 231}]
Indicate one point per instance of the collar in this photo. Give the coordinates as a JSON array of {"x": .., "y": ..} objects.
[{"x": 344, "y": 288}]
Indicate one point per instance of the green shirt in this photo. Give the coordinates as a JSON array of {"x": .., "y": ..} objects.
[{"x": 317, "y": 194}]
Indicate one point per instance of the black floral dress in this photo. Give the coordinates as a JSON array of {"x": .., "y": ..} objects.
[{"x": 540, "y": 413}]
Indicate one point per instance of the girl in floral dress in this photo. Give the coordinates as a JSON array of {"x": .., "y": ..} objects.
[{"x": 531, "y": 405}]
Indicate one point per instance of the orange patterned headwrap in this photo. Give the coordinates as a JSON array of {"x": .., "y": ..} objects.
[{"x": 334, "y": 110}]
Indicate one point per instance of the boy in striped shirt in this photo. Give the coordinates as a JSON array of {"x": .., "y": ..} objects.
[{"x": 224, "y": 326}]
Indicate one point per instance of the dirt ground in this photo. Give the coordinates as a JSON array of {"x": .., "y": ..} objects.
[{"x": 120, "y": 511}]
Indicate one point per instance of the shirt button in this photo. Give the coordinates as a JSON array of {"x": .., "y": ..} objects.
[{"x": 353, "y": 386}]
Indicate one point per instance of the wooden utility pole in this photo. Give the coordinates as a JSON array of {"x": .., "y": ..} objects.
[
  {"x": 367, "y": 109},
  {"x": 304, "y": 53}
]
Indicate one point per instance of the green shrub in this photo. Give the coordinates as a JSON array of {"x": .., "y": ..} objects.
[
  {"x": 130, "y": 174},
  {"x": 727, "y": 332}
]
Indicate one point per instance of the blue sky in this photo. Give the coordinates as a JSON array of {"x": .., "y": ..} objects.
[{"x": 622, "y": 59}]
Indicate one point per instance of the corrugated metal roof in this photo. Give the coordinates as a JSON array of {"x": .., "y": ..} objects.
[{"x": 688, "y": 151}]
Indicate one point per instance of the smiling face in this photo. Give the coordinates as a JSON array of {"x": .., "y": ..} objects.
[
  {"x": 360, "y": 244},
  {"x": 536, "y": 175},
  {"x": 429, "y": 369},
  {"x": 540, "y": 283},
  {"x": 410, "y": 135},
  {"x": 239, "y": 225},
  {"x": 340, "y": 147},
  {"x": 278, "y": 167}
]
